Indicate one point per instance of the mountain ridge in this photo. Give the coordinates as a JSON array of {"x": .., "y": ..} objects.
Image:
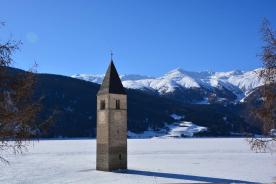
[
  {"x": 231, "y": 86},
  {"x": 74, "y": 104}
]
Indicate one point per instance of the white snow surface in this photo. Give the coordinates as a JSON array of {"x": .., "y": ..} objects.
[
  {"x": 88, "y": 77},
  {"x": 185, "y": 129},
  {"x": 191, "y": 160},
  {"x": 176, "y": 117},
  {"x": 236, "y": 81},
  {"x": 176, "y": 130}
]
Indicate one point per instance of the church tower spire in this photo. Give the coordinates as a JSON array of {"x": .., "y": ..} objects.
[
  {"x": 111, "y": 82},
  {"x": 111, "y": 122}
]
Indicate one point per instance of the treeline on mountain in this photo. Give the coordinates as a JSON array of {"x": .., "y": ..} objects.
[{"x": 74, "y": 104}]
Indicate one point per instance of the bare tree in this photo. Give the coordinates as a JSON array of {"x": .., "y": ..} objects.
[
  {"x": 17, "y": 109},
  {"x": 266, "y": 112}
]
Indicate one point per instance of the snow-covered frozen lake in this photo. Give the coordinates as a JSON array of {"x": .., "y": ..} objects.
[{"x": 191, "y": 160}]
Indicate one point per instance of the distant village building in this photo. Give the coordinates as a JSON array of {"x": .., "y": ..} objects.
[{"x": 111, "y": 123}]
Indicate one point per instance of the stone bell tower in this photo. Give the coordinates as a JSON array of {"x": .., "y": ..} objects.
[{"x": 111, "y": 123}]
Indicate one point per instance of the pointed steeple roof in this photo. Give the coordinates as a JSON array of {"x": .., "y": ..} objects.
[{"x": 112, "y": 82}]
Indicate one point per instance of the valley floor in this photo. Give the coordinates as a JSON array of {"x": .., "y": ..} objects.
[{"x": 191, "y": 160}]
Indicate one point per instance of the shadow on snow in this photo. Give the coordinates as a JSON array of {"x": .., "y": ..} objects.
[{"x": 182, "y": 176}]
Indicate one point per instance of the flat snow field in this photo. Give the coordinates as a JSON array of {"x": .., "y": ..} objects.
[{"x": 191, "y": 160}]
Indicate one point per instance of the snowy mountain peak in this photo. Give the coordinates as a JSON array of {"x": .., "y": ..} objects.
[
  {"x": 134, "y": 77},
  {"x": 88, "y": 77},
  {"x": 227, "y": 74},
  {"x": 175, "y": 71},
  {"x": 238, "y": 82},
  {"x": 99, "y": 78}
]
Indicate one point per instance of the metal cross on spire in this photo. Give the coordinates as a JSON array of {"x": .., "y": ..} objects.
[{"x": 111, "y": 55}]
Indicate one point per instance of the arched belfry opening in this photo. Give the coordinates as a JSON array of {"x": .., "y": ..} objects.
[{"x": 111, "y": 123}]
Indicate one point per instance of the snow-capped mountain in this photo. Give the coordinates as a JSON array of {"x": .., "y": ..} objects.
[
  {"x": 165, "y": 84},
  {"x": 91, "y": 78},
  {"x": 218, "y": 84},
  {"x": 99, "y": 78}
]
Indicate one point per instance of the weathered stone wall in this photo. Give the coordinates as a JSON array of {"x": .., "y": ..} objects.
[
  {"x": 112, "y": 133},
  {"x": 102, "y": 135}
]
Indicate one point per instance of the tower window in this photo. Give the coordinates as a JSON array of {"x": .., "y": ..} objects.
[
  {"x": 102, "y": 104},
  {"x": 117, "y": 104},
  {"x": 120, "y": 157}
]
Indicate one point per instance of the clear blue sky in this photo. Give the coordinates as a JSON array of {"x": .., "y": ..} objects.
[{"x": 147, "y": 36}]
